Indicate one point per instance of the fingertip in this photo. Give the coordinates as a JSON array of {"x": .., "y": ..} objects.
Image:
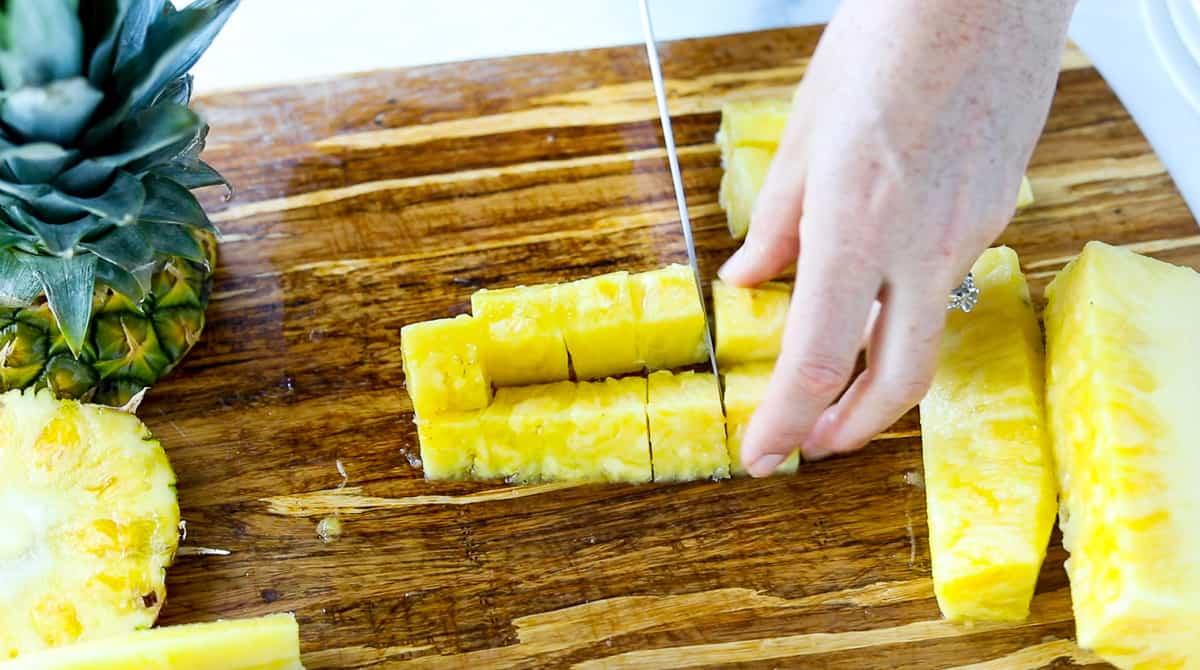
[{"x": 765, "y": 465}]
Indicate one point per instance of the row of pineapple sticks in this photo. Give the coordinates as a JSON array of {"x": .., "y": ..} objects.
[{"x": 529, "y": 342}]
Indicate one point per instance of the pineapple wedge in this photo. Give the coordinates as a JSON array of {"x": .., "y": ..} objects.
[
  {"x": 687, "y": 427},
  {"x": 670, "y": 327},
  {"x": 520, "y": 428},
  {"x": 443, "y": 365},
  {"x": 524, "y": 341},
  {"x": 608, "y": 440},
  {"x": 989, "y": 479},
  {"x": 749, "y": 321},
  {"x": 268, "y": 643},
  {"x": 745, "y": 171},
  {"x": 1122, "y": 399},
  {"x": 751, "y": 123},
  {"x": 745, "y": 387},
  {"x": 598, "y": 325},
  {"x": 449, "y": 444},
  {"x": 90, "y": 523}
]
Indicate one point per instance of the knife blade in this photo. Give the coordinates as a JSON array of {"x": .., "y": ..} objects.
[{"x": 664, "y": 119}]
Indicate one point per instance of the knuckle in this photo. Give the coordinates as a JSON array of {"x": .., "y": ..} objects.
[
  {"x": 907, "y": 390},
  {"x": 820, "y": 376}
]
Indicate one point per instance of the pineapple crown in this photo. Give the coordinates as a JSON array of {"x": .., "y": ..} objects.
[{"x": 98, "y": 149}]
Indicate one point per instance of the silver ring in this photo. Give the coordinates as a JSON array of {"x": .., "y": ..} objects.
[{"x": 966, "y": 296}]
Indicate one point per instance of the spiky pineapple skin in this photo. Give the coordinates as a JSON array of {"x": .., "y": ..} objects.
[
  {"x": 745, "y": 388},
  {"x": 92, "y": 522},
  {"x": 1122, "y": 370},
  {"x": 270, "y": 642},
  {"x": 749, "y": 321},
  {"x": 989, "y": 478},
  {"x": 687, "y": 427}
]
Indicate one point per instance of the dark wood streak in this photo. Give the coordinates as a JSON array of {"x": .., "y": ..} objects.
[{"x": 300, "y": 367}]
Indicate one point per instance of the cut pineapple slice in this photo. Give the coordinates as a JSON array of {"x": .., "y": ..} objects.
[
  {"x": 745, "y": 172},
  {"x": 687, "y": 428},
  {"x": 449, "y": 444},
  {"x": 745, "y": 387},
  {"x": 521, "y": 427},
  {"x": 749, "y": 321},
  {"x": 670, "y": 318},
  {"x": 1122, "y": 398},
  {"x": 267, "y": 643},
  {"x": 608, "y": 440},
  {"x": 443, "y": 365},
  {"x": 751, "y": 123},
  {"x": 598, "y": 325},
  {"x": 90, "y": 522},
  {"x": 524, "y": 343},
  {"x": 989, "y": 482}
]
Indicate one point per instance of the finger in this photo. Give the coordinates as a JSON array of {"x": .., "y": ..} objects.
[
  {"x": 902, "y": 360},
  {"x": 773, "y": 241},
  {"x": 829, "y": 309}
]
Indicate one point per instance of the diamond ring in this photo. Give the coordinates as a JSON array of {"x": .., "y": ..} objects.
[{"x": 966, "y": 296}]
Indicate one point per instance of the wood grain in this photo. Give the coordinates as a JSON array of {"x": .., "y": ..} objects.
[{"x": 373, "y": 201}]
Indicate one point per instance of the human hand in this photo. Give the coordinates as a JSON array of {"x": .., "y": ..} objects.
[{"x": 900, "y": 164}]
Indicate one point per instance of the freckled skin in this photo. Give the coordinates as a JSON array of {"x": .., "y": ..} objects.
[{"x": 899, "y": 165}]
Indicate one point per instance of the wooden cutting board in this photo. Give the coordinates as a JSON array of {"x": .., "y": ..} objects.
[{"x": 374, "y": 201}]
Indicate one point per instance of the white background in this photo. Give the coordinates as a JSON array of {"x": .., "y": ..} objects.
[{"x": 278, "y": 41}]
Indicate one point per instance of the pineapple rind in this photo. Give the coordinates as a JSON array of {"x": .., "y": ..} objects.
[
  {"x": 267, "y": 643},
  {"x": 443, "y": 365},
  {"x": 670, "y": 327},
  {"x": 1122, "y": 402},
  {"x": 749, "y": 321},
  {"x": 524, "y": 340},
  {"x": 598, "y": 325},
  {"x": 745, "y": 388},
  {"x": 687, "y": 427},
  {"x": 91, "y": 523},
  {"x": 988, "y": 468}
]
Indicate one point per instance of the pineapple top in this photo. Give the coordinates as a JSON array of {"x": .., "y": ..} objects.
[{"x": 98, "y": 149}]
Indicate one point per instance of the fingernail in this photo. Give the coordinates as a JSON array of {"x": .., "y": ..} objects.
[{"x": 765, "y": 465}]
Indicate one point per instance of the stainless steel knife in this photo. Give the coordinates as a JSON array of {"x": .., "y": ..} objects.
[{"x": 664, "y": 117}]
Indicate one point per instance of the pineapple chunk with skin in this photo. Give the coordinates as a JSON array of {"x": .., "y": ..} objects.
[
  {"x": 271, "y": 642},
  {"x": 524, "y": 340},
  {"x": 989, "y": 478},
  {"x": 745, "y": 171},
  {"x": 520, "y": 428},
  {"x": 449, "y": 444},
  {"x": 1122, "y": 399},
  {"x": 745, "y": 387},
  {"x": 749, "y": 321},
  {"x": 607, "y": 440},
  {"x": 670, "y": 328},
  {"x": 443, "y": 365},
  {"x": 598, "y": 325},
  {"x": 751, "y": 123},
  {"x": 90, "y": 523},
  {"x": 687, "y": 427}
]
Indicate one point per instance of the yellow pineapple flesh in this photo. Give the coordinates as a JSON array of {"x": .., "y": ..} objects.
[
  {"x": 745, "y": 387},
  {"x": 749, "y": 321},
  {"x": 443, "y": 365},
  {"x": 989, "y": 478},
  {"x": 1122, "y": 399},
  {"x": 745, "y": 171},
  {"x": 608, "y": 440},
  {"x": 687, "y": 427},
  {"x": 520, "y": 427},
  {"x": 449, "y": 444},
  {"x": 90, "y": 523},
  {"x": 670, "y": 327},
  {"x": 1025, "y": 195},
  {"x": 267, "y": 643},
  {"x": 752, "y": 123},
  {"x": 524, "y": 339},
  {"x": 599, "y": 325}
]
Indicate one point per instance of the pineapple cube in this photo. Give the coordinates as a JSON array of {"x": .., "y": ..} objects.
[
  {"x": 598, "y": 325},
  {"x": 745, "y": 387},
  {"x": 449, "y": 444},
  {"x": 443, "y": 365},
  {"x": 1122, "y": 398},
  {"x": 524, "y": 342},
  {"x": 749, "y": 321},
  {"x": 745, "y": 171},
  {"x": 520, "y": 427},
  {"x": 752, "y": 123},
  {"x": 608, "y": 440},
  {"x": 271, "y": 642},
  {"x": 670, "y": 328},
  {"x": 989, "y": 478},
  {"x": 687, "y": 427}
]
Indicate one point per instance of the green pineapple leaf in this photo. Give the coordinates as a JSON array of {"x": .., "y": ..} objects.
[
  {"x": 139, "y": 16},
  {"x": 155, "y": 134},
  {"x": 19, "y": 285},
  {"x": 133, "y": 284},
  {"x": 192, "y": 174},
  {"x": 118, "y": 204},
  {"x": 102, "y": 23},
  {"x": 173, "y": 240},
  {"x": 125, "y": 247},
  {"x": 169, "y": 202},
  {"x": 36, "y": 163},
  {"x": 56, "y": 112},
  {"x": 68, "y": 284},
  {"x": 44, "y": 43}
]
